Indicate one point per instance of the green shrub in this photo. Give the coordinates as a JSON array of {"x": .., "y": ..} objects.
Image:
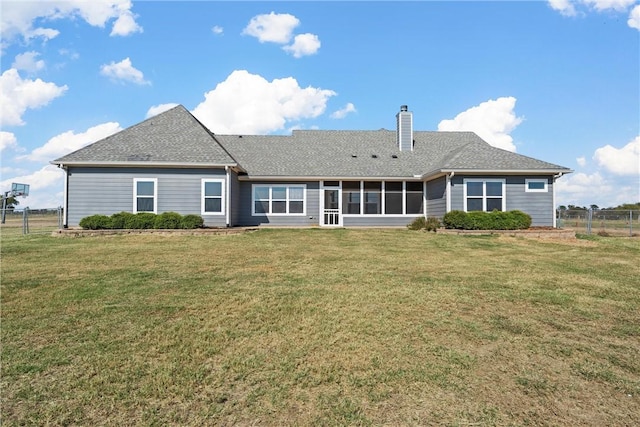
[
  {"x": 141, "y": 221},
  {"x": 191, "y": 221},
  {"x": 417, "y": 224},
  {"x": 432, "y": 224},
  {"x": 455, "y": 219},
  {"x": 96, "y": 222},
  {"x": 168, "y": 221},
  {"x": 496, "y": 220},
  {"x": 521, "y": 219},
  {"x": 121, "y": 220},
  {"x": 422, "y": 223}
]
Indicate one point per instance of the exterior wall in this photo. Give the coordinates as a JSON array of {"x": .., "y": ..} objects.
[
  {"x": 235, "y": 200},
  {"x": 245, "y": 217},
  {"x": 110, "y": 190},
  {"x": 378, "y": 220},
  {"x": 437, "y": 197},
  {"x": 538, "y": 205}
]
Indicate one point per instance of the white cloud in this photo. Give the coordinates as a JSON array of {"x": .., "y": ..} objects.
[
  {"x": 617, "y": 5},
  {"x": 565, "y": 7},
  {"x": 274, "y": 27},
  {"x": 125, "y": 24},
  {"x": 22, "y": 19},
  {"x": 18, "y": 95},
  {"x": 70, "y": 141},
  {"x": 492, "y": 120},
  {"x": 634, "y": 18},
  {"x": 123, "y": 71},
  {"x": 585, "y": 189},
  {"x": 217, "y": 30},
  {"x": 582, "y": 161},
  {"x": 157, "y": 109},
  {"x": 303, "y": 45},
  {"x": 42, "y": 187},
  {"x": 7, "y": 140},
  {"x": 342, "y": 113},
  {"x": 248, "y": 103},
  {"x": 27, "y": 62},
  {"x": 620, "y": 161},
  {"x": 573, "y": 8}
]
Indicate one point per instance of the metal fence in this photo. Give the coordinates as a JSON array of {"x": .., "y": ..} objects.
[
  {"x": 604, "y": 222},
  {"x": 30, "y": 221}
]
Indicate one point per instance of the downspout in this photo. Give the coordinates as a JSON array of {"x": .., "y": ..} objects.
[
  {"x": 554, "y": 198},
  {"x": 448, "y": 202},
  {"x": 228, "y": 197}
]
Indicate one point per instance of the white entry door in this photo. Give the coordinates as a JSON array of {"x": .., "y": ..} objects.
[{"x": 331, "y": 207}]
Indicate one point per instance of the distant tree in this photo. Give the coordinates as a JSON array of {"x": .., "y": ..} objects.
[
  {"x": 594, "y": 207},
  {"x": 562, "y": 208},
  {"x": 628, "y": 206},
  {"x": 12, "y": 202}
]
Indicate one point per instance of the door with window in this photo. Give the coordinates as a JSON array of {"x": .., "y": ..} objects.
[{"x": 330, "y": 212}]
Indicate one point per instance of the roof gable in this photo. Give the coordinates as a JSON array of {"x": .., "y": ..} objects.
[{"x": 172, "y": 137}]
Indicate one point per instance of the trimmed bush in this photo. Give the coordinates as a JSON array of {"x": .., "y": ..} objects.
[
  {"x": 191, "y": 221},
  {"x": 96, "y": 222},
  {"x": 455, "y": 219},
  {"x": 121, "y": 220},
  {"x": 496, "y": 220},
  {"x": 141, "y": 221},
  {"x": 168, "y": 220}
]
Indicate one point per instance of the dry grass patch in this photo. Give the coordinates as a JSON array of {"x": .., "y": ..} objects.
[{"x": 320, "y": 327}]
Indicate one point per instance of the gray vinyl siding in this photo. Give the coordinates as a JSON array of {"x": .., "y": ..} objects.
[
  {"x": 538, "y": 205},
  {"x": 437, "y": 197},
  {"x": 110, "y": 190},
  {"x": 235, "y": 200},
  {"x": 311, "y": 217},
  {"x": 377, "y": 221}
]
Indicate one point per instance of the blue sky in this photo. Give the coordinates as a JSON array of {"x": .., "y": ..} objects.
[{"x": 557, "y": 80}]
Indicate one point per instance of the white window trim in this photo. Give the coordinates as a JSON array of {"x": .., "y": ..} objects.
[
  {"x": 155, "y": 193},
  {"x": 222, "y": 196},
  {"x": 484, "y": 192},
  {"x": 288, "y": 200},
  {"x": 536, "y": 190}
]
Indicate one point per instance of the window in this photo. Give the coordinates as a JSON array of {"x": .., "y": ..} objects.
[
  {"x": 366, "y": 198},
  {"x": 372, "y": 197},
  {"x": 279, "y": 199},
  {"x": 535, "y": 185},
  {"x": 414, "y": 198},
  {"x": 351, "y": 197},
  {"x": 484, "y": 195},
  {"x": 393, "y": 198},
  {"x": 145, "y": 195},
  {"x": 212, "y": 196}
]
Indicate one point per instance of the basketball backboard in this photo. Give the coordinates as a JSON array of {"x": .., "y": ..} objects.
[{"x": 20, "y": 189}]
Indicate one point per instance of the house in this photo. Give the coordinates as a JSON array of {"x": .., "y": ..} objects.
[{"x": 172, "y": 162}]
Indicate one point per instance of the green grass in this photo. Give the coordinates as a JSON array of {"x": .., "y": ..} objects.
[{"x": 320, "y": 327}]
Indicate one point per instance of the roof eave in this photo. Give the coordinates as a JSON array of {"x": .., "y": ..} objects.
[
  {"x": 185, "y": 165},
  {"x": 469, "y": 171}
]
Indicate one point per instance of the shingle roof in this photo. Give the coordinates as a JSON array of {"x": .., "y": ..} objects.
[
  {"x": 176, "y": 137},
  {"x": 172, "y": 137},
  {"x": 319, "y": 153}
]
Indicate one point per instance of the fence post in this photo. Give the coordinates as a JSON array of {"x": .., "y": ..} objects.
[
  {"x": 589, "y": 218},
  {"x": 630, "y": 223},
  {"x": 59, "y": 217},
  {"x": 25, "y": 221}
]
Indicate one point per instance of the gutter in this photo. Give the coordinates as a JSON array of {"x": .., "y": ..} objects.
[
  {"x": 553, "y": 196},
  {"x": 448, "y": 190}
]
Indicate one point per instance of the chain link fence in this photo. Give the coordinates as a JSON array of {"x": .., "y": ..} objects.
[
  {"x": 30, "y": 221},
  {"x": 604, "y": 222}
]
